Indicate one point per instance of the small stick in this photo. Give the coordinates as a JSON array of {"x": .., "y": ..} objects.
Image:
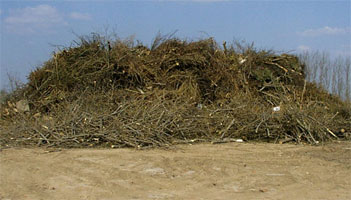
[
  {"x": 56, "y": 66},
  {"x": 303, "y": 93},
  {"x": 226, "y": 130},
  {"x": 276, "y": 64},
  {"x": 331, "y": 133},
  {"x": 159, "y": 119},
  {"x": 226, "y": 140},
  {"x": 256, "y": 130},
  {"x": 303, "y": 125},
  {"x": 335, "y": 115},
  {"x": 42, "y": 135},
  {"x": 225, "y": 47}
]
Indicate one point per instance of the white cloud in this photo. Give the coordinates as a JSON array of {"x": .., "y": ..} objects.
[
  {"x": 326, "y": 31},
  {"x": 303, "y": 48},
  {"x": 79, "y": 16},
  {"x": 34, "y": 19}
]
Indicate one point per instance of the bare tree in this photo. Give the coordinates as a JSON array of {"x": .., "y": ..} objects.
[
  {"x": 347, "y": 78},
  {"x": 332, "y": 74}
]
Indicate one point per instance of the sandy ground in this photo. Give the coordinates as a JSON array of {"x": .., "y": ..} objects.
[{"x": 203, "y": 171}]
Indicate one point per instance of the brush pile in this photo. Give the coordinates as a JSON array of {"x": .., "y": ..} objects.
[{"x": 121, "y": 94}]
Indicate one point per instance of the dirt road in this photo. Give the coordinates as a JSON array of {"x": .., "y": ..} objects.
[{"x": 203, "y": 171}]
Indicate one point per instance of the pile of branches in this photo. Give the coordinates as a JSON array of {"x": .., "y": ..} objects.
[{"x": 124, "y": 94}]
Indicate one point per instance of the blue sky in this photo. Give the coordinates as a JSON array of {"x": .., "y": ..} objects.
[{"x": 29, "y": 30}]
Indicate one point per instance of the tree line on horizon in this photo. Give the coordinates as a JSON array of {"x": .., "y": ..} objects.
[{"x": 333, "y": 74}]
